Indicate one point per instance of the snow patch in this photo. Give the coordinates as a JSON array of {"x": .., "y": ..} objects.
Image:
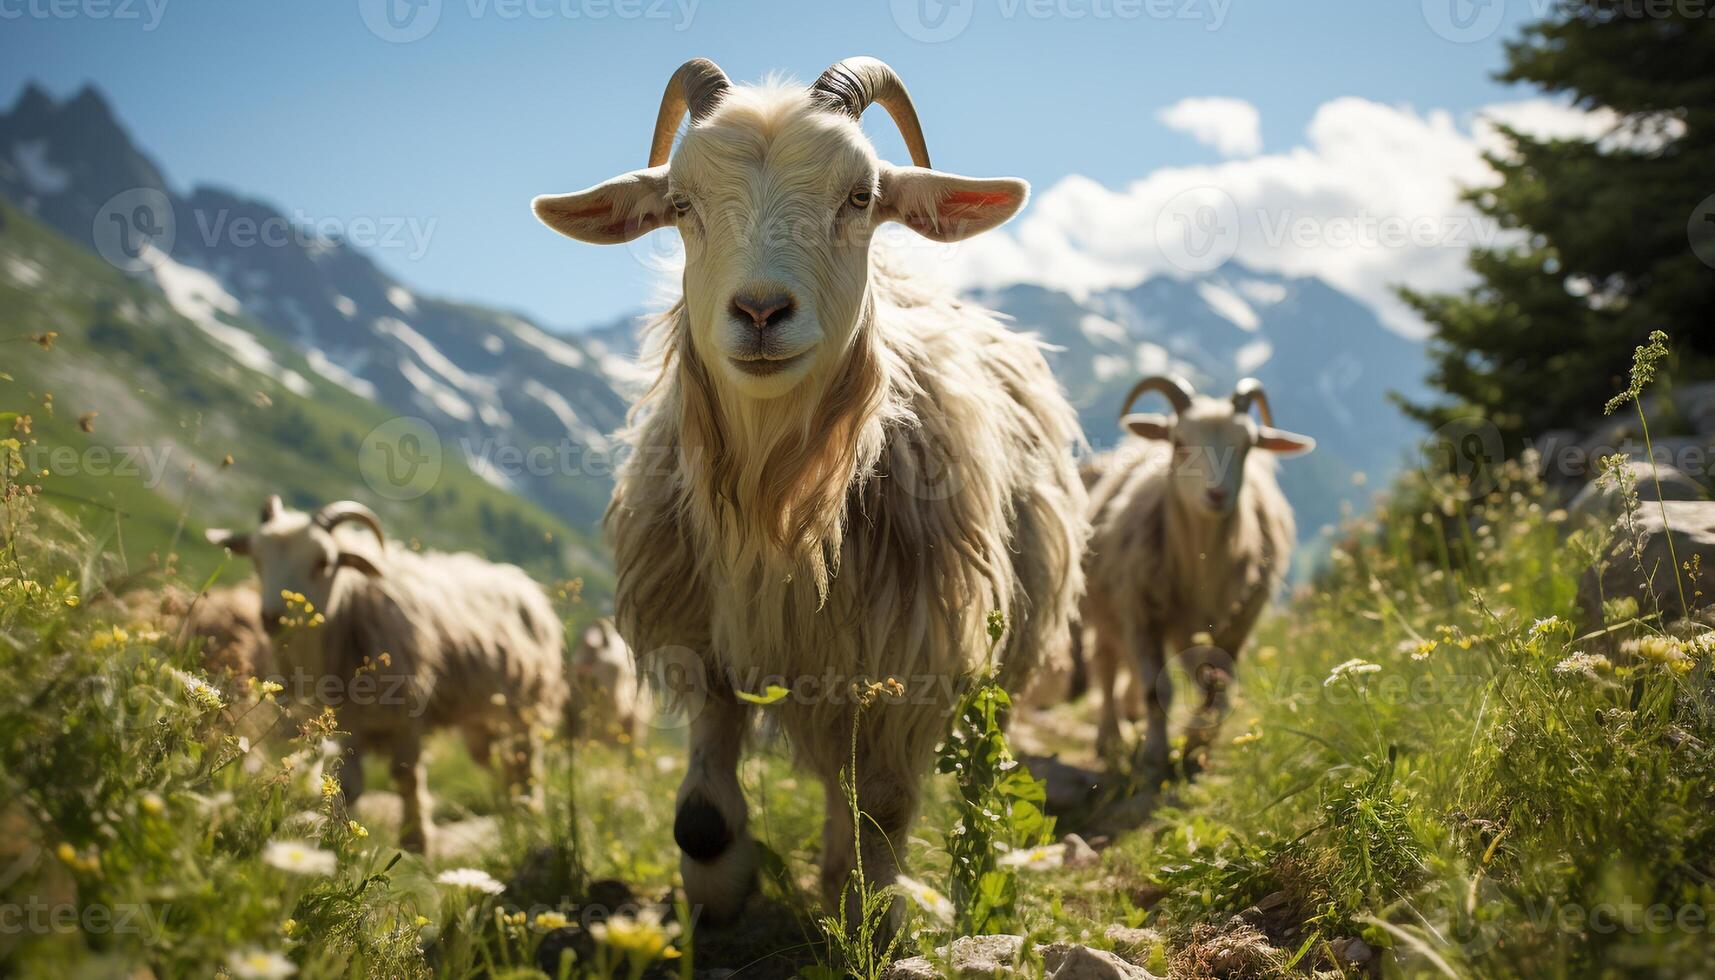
[
  {"x": 23, "y": 271},
  {"x": 1263, "y": 293},
  {"x": 338, "y": 374},
  {"x": 1252, "y": 356},
  {"x": 402, "y": 300},
  {"x": 200, "y": 298},
  {"x": 1101, "y": 329},
  {"x": 576, "y": 428},
  {"x": 438, "y": 395},
  {"x": 493, "y": 344},
  {"x": 1228, "y": 305},
  {"x": 556, "y": 349},
  {"x": 345, "y": 306},
  {"x": 40, "y": 176}
]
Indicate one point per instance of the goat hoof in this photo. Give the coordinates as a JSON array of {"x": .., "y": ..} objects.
[{"x": 717, "y": 890}]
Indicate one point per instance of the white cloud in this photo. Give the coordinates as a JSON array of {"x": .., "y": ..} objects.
[
  {"x": 1368, "y": 200},
  {"x": 1232, "y": 126}
]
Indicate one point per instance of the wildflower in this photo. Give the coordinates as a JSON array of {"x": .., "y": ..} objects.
[
  {"x": 299, "y": 857},
  {"x": 259, "y": 964},
  {"x": 1247, "y": 738},
  {"x": 357, "y": 830},
  {"x": 1419, "y": 649},
  {"x": 288, "y": 927},
  {"x": 45, "y": 340},
  {"x": 330, "y": 787},
  {"x": 1588, "y": 664},
  {"x": 638, "y": 938},
  {"x": 422, "y": 920},
  {"x": 1350, "y": 669},
  {"x": 939, "y": 906},
  {"x": 21, "y": 425},
  {"x": 474, "y": 879},
  {"x": 1203, "y": 639},
  {"x": 226, "y": 461},
  {"x": 202, "y": 694},
  {"x": 152, "y": 804},
  {"x": 112, "y": 636},
  {"x": 549, "y": 921},
  {"x": 1543, "y": 627},
  {"x": 71, "y": 601},
  {"x": 1662, "y": 651},
  {"x": 1042, "y": 858},
  {"x": 270, "y": 688}
]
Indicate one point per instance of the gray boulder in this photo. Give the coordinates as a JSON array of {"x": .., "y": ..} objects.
[
  {"x": 1599, "y": 500},
  {"x": 1689, "y": 526},
  {"x": 997, "y": 956}
]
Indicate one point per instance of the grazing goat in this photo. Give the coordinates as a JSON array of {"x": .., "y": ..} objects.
[
  {"x": 839, "y": 471},
  {"x": 1190, "y": 537},
  {"x": 610, "y": 705},
  {"x": 400, "y": 643}
]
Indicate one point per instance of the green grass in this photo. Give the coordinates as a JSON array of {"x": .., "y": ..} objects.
[{"x": 1411, "y": 761}]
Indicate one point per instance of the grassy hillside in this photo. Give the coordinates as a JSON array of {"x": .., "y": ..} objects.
[
  {"x": 185, "y": 435},
  {"x": 1428, "y": 771}
]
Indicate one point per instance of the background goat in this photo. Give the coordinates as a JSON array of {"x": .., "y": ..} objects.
[
  {"x": 1190, "y": 538},
  {"x": 839, "y": 471},
  {"x": 406, "y": 642}
]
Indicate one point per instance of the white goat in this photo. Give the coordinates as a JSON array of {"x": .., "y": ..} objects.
[
  {"x": 610, "y": 704},
  {"x": 400, "y": 643},
  {"x": 1190, "y": 538},
  {"x": 839, "y": 471}
]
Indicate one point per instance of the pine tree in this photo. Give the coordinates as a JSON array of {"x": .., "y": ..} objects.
[{"x": 1618, "y": 231}]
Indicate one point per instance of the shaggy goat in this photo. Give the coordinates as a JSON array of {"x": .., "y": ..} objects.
[
  {"x": 1190, "y": 537},
  {"x": 839, "y": 471},
  {"x": 610, "y": 704},
  {"x": 401, "y": 642}
]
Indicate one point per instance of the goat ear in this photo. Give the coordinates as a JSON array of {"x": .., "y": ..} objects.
[
  {"x": 238, "y": 544},
  {"x": 611, "y": 212},
  {"x": 1148, "y": 425},
  {"x": 349, "y": 559},
  {"x": 946, "y": 207},
  {"x": 1283, "y": 442}
]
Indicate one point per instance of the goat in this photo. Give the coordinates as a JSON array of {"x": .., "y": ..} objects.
[
  {"x": 403, "y": 642},
  {"x": 1190, "y": 537},
  {"x": 610, "y": 703},
  {"x": 839, "y": 470}
]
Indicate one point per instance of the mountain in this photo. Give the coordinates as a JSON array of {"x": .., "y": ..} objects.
[
  {"x": 500, "y": 389},
  {"x": 527, "y": 409}
]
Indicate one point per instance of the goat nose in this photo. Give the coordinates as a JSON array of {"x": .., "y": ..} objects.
[
  {"x": 1217, "y": 496},
  {"x": 765, "y": 309}
]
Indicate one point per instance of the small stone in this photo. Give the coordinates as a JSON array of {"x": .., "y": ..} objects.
[
  {"x": 1355, "y": 952},
  {"x": 1079, "y": 853}
]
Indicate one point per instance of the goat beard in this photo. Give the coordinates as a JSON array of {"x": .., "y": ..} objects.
[{"x": 771, "y": 480}]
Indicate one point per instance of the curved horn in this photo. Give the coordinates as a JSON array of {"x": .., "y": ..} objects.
[
  {"x": 339, "y": 512},
  {"x": 1177, "y": 390},
  {"x": 853, "y": 85},
  {"x": 696, "y": 87},
  {"x": 1249, "y": 392}
]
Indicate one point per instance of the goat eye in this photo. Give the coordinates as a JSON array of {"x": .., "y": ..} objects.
[
  {"x": 681, "y": 205},
  {"x": 860, "y": 199}
]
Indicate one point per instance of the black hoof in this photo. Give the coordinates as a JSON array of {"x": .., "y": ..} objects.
[{"x": 700, "y": 830}]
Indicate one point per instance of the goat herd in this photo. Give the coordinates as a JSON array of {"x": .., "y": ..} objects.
[{"x": 859, "y": 469}]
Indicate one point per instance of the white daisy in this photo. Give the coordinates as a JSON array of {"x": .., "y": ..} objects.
[
  {"x": 259, "y": 964},
  {"x": 299, "y": 857},
  {"x": 939, "y": 906},
  {"x": 1040, "y": 858},
  {"x": 1351, "y": 668},
  {"x": 472, "y": 878}
]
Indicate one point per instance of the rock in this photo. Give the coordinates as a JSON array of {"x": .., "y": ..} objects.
[
  {"x": 969, "y": 956},
  {"x": 1560, "y": 458},
  {"x": 1068, "y": 961},
  {"x": 1696, "y": 402},
  {"x": 1134, "y": 944},
  {"x": 997, "y": 956},
  {"x": 1351, "y": 952},
  {"x": 1600, "y": 503},
  {"x": 1689, "y": 525},
  {"x": 1079, "y": 853}
]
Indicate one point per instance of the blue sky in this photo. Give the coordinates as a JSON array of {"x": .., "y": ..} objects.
[{"x": 304, "y": 105}]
